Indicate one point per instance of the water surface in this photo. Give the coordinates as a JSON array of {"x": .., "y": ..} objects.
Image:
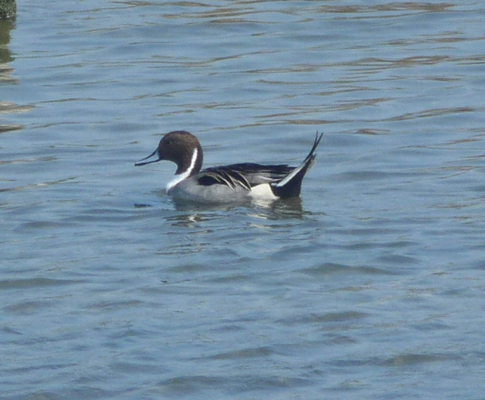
[{"x": 370, "y": 286}]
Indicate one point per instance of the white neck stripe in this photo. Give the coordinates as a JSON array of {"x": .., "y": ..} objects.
[{"x": 184, "y": 175}]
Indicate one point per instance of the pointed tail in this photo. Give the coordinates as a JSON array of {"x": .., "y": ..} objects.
[{"x": 290, "y": 185}]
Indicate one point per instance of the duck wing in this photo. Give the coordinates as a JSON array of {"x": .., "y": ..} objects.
[
  {"x": 284, "y": 181},
  {"x": 245, "y": 175}
]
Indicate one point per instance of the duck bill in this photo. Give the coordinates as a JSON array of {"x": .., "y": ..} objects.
[{"x": 152, "y": 158}]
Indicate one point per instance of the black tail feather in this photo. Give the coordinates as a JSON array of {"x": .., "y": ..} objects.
[{"x": 290, "y": 186}]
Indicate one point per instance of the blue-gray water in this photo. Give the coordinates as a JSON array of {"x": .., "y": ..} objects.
[{"x": 371, "y": 287}]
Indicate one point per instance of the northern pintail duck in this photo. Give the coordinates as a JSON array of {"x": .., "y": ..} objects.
[{"x": 229, "y": 182}]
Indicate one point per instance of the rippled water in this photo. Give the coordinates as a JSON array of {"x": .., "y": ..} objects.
[{"x": 370, "y": 286}]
